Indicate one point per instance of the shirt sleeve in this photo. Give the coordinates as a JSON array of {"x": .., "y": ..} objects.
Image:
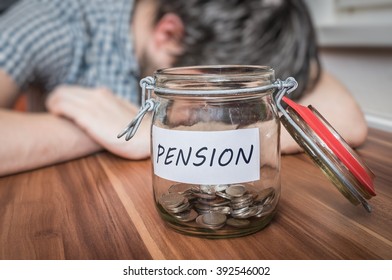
[{"x": 34, "y": 42}]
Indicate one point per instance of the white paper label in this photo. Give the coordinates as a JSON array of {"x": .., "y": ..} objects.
[{"x": 206, "y": 157}]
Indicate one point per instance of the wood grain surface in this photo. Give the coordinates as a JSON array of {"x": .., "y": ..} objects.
[{"x": 101, "y": 207}]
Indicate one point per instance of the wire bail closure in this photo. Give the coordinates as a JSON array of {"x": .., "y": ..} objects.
[{"x": 147, "y": 84}]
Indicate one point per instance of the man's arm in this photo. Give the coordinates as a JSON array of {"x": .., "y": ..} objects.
[
  {"x": 34, "y": 140},
  {"x": 103, "y": 116},
  {"x": 338, "y": 107},
  {"x": 30, "y": 140},
  {"x": 8, "y": 90}
]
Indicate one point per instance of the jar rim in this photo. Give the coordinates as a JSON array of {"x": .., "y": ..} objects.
[
  {"x": 214, "y": 80},
  {"x": 216, "y": 70}
]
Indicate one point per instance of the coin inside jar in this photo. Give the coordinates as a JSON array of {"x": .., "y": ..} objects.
[
  {"x": 216, "y": 206},
  {"x": 214, "y": 218},
  {"x": 236, "y": 190},
  {"x": 186, "y": 216},
  {"x": 180, "y": 188},
  {"x": 220, "y": 188},
  {"x": 171, "y": 200},
  {"x": 208, "y": 189},
  {"x": 199, "y": 221}
]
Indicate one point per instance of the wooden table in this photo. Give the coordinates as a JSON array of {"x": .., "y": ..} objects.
[{"x": 101, "y": 207}]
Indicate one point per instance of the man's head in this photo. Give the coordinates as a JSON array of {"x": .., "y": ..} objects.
[{"x": 278, "y": 33}]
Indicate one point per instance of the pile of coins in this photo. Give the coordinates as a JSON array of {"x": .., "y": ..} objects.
[{"x": 214, "y": 206}]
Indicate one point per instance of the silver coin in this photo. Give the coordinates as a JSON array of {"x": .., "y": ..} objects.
[
  {"x": 180, "y": 188},
  {"x": 223, "y": 195},
  {"x": 208, "y": 189},
  {"x": 239, "y": 211},
  {"x": 202, "y": 212},
  {"x": 171, "y": 200},
  {"x": 202, "y": 206},
  {"x": 218, "y": 201},
  {"x": 214, "y": 218},
  {"x": 242, "y": 199},
  {"x": 225, "y": 210},
  {"x": 236, "y": 190},
  {"x": 241, "y": 202},
  {"x": 181, "y": 208},
  {"x": 260, "y": 211},
  {"x": 204, "y": 195},
  {"x": 239, "y": 206},
  {"x": 265, "y": 210},
  {"x": 187, "y": 216},
  {"x": 268, "y": 200},
  {"x": 220, "y": 188},
  {"x": 249, "y": 212},
  {"x": 200, "y": 222}
]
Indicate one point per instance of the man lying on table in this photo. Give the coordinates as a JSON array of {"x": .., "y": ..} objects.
[{"x": 89, "y": 56}]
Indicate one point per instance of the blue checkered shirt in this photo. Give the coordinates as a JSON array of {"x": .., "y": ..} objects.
[{"x": 76, "y": 42}]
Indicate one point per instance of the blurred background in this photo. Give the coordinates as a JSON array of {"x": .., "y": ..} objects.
[
  {"x": 355, "y": 37},
  {"x": 5, "y": 3}
]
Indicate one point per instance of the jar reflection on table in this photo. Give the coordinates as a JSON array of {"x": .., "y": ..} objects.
[{"x": 219, "y": 209}]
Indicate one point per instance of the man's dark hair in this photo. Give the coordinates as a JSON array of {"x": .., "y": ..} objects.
[{"x": 277, "y": 33}]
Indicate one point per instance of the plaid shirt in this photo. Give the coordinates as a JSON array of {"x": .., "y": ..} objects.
[{"x": 76, "y": 42}]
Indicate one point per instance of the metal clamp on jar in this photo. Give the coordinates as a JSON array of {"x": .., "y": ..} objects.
[{"x": 215, "y": 147}]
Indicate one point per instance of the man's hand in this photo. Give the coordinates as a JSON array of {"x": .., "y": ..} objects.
[{"x": 102, "y": 115}]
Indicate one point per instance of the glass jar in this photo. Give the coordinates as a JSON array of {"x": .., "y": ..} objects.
[{"x": 215, "y": 149}]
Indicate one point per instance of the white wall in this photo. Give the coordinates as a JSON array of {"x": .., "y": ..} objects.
[
  {"x": 367, "y": 73},
  {"x": 356, "y": 46}
]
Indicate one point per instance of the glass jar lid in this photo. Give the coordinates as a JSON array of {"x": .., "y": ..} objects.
[{"x": 329, "y": 151}]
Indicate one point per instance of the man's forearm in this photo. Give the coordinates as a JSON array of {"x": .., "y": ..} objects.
[{"x": 30, "y": 141}]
